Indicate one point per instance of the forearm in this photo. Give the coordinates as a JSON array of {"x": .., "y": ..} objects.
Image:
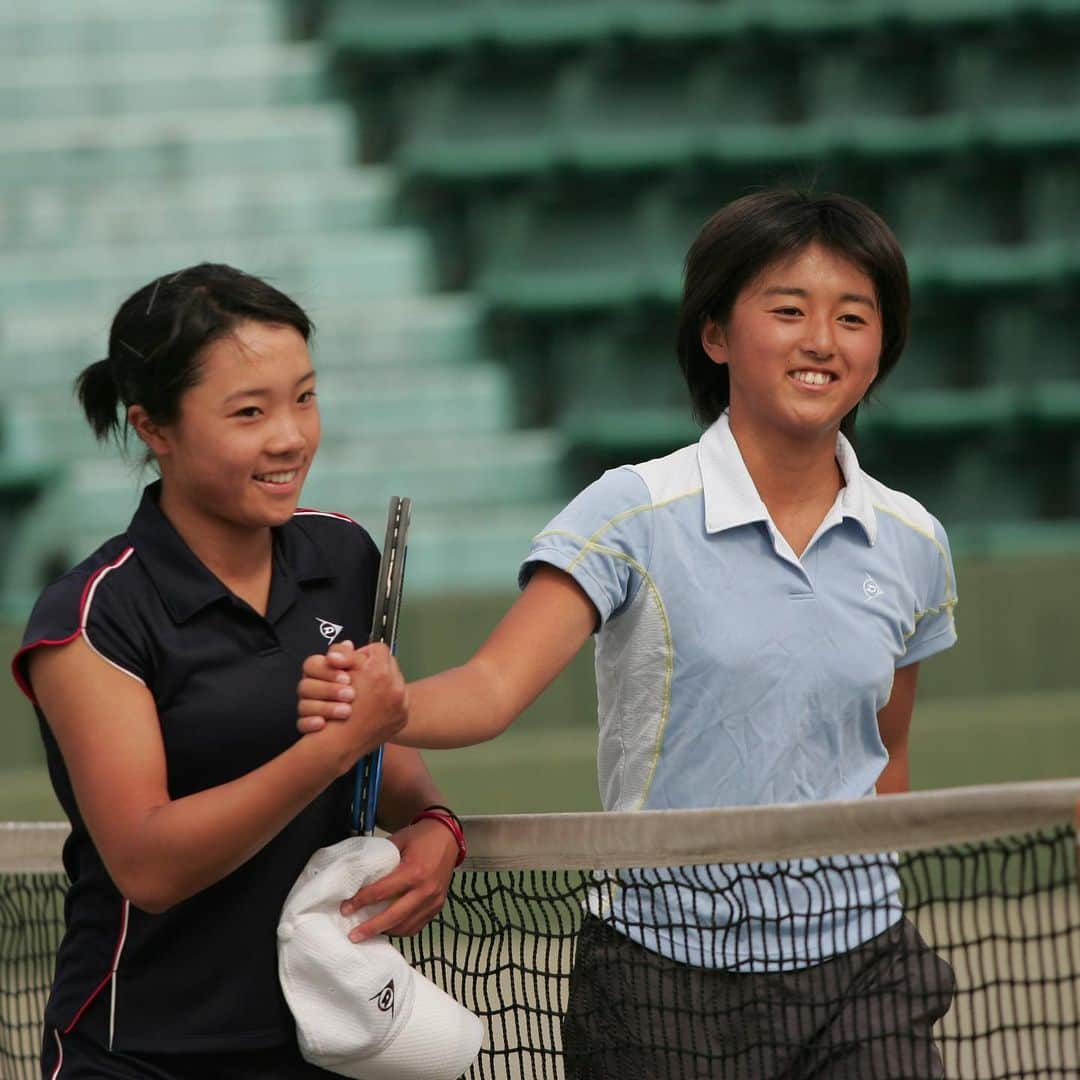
[
  {"x": 407, "y": 787},
  {"x": 895, "y": 778},
  {"x": 458, "y": 707},
  {"x": 185, "y": 845}
]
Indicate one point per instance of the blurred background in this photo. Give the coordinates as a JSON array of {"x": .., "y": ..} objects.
[{"x": 484, "y": 205}]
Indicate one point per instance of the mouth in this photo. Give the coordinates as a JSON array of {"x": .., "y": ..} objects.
[
  {"x": 278, "y": 479},
  {"x": 812, "y": 379}
]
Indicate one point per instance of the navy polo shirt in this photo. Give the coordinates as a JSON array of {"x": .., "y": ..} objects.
[{"x": 203, "y": 975}]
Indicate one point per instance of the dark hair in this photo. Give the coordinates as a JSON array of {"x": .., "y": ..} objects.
[
  {"x": 742, "y": 240},
  {"x": 159, "y": 332}
]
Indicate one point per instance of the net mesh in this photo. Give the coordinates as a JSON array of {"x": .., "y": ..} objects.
[{"x": 979, "y": 978}]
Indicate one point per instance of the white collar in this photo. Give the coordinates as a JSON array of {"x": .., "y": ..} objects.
[{"x": 731, "y": 499}]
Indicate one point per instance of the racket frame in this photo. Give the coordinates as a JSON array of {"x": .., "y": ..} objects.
[{"x": 384, "y": 626}]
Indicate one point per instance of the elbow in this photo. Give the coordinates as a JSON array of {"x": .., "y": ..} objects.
[
  {"x": 151, "y": 897},
  {"x": 151, "y": 889}
]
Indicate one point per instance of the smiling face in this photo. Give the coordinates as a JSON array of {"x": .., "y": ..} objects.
[
  {"x": 802, "y": 345},
  {"x": 238, "y": 453}
]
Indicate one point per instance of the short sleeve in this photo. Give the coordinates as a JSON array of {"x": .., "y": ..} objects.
[
  {"x": 603, "y": 540},
  {"x": 935, "y": 627},
  {"x": 91, "y": 603}
]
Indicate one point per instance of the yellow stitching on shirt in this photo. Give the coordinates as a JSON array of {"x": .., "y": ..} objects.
[
  {"x": 945, "y": 605},
  {"x": 669, "y": 663},
  {"x": 618, "y": 518},
  {"x": 950, "y": 600},
  {"x": 560, "y": 532}
]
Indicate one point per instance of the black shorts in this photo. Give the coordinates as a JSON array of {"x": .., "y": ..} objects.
[
  {"x": 83, "y": 1054},
  {"x": 864, "y": 1014}
]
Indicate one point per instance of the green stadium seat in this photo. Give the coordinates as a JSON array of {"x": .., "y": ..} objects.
[
  {"x": 1055, "y": 404},
  {"x": 52, "y": 27},
  {"x": 399, "y": 331},
  {"x": 329, "y": 269},
  {"x": 943, "y": 204},
  {"x": 134, "y": 212},
  {"x": 402, "y": 400},
  {"x": 110, "y": 85},
  {"x": 1029, "y": 64},
  {"x": 506, "y": 124},
  {"x": 888, "y": 73},
  {"x": 1050, "y": 200},
  {"x": 92, "y": 151},
  {"x": 441, "y": 470},
  {"x": 44, "y": 426},
  {"x": 1024, "y": 342}
]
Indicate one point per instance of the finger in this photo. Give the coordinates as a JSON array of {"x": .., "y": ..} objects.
[
  {"x": 316, "y": 667},
  {"x": 308, "y": 725},
  {"x": 320, "y": 690},
  {"x": 328, "y": 710},
  {"x": 343, "y": 656},
  {"x": 401, "y": 912},
  {"x": 376, "y": 651},
  {"x": 392, "y": 885}
]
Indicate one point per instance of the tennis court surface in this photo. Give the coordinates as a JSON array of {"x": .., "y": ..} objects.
[{"x": 988, "y": 877}]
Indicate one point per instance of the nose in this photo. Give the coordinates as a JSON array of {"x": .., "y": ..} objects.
[
  {"x": 288, "y": 435},
  {"x": 820, "y": 341}
]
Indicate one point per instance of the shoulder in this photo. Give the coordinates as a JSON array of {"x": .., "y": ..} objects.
[
  {"x": 900, "y": 513},
  {"x": 672, "y": 476},
  {"x": 103, "y": 578},
  {"x": 336, "y": 535},
  {"x": 645, "y": 485}
]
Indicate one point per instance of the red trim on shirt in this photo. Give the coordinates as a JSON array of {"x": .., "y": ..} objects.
[
  {"x": 16, "y": 667},
  {"x": 122, "y": 937},
  {"x": 324, "y": 513}
]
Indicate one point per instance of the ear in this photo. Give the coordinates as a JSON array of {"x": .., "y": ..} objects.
[
  {"x": 714, "y": 341},
  {"x": 150, "y": 433}
]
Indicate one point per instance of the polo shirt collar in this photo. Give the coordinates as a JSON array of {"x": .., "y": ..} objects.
[
  {"x": 731, "y": 499},
  {"x": 184, "y": 582}
]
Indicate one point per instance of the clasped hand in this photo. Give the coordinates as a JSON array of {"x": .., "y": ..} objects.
[{"x": 364, "y": 687}]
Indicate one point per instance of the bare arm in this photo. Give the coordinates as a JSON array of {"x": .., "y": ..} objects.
[
  {"x": 160, "y": 851},
  {"x": 533, "y": 642},
  {"x": 894, "y": 723}
]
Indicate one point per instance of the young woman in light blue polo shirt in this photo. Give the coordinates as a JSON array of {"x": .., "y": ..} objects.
[{"x": 761, "y": 608}]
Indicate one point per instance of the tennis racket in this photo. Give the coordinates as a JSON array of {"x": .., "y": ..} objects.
[{"x": 384, "y": 625}]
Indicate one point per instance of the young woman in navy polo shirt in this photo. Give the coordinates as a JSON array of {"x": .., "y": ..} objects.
[
  {"x": 163, "y": 669},
  {"x": 761, "y": 607}
]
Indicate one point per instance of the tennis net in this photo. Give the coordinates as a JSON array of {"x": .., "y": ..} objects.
[{"x": 811, "y": 974}]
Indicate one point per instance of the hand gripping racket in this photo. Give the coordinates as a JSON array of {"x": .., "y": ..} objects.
[{"x": 384, "y": 625}]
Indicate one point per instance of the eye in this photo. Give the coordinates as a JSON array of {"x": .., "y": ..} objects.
[
  {"x": 852, "y": 319},
  {"x": 307, "y": 397},
  {"x": 787, "y": 311},
  {"x": 248, "y": 411}
]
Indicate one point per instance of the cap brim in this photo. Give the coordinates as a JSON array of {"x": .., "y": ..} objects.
[{"x": 439, "y": 1042}]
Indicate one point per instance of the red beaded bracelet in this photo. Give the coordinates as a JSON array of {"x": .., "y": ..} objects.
[{"x": 450, "y": 820}]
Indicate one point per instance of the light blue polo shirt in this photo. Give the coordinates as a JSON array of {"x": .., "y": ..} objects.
[{"x": 731, "y": 672}]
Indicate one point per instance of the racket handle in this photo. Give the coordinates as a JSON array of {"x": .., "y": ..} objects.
[
  {"x": 361, "y": 776},
  {"x": 371, "y": 796}
]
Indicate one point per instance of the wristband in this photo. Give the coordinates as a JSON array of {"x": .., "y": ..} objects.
[
  {"x": 450, "y": 820},
  {"x": 446, "y": 810}
]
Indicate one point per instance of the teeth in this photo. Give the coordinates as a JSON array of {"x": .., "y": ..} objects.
[
  {"x": 277, "y": 477},
  {"x": 814, "y": 378}
]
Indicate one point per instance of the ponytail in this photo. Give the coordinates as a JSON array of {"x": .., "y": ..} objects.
[{"x": 99, "y": 397}]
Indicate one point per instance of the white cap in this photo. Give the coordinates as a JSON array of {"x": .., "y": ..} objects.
[{"x": 360, "y": 1009}]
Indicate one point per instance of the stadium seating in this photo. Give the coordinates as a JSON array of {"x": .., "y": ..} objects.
[
  {"x": 575, "y": 149},
  {"x": 134, "y": 141}
]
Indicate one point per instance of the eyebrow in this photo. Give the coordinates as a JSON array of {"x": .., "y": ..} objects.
[
  {"x": 262, "y": 392},
  {"x": 794, "y": 290}
]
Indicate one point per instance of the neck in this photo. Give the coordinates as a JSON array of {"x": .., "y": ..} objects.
[
  {"x": 789, "y": 471},
  {"x": 235, "y": 554}
]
